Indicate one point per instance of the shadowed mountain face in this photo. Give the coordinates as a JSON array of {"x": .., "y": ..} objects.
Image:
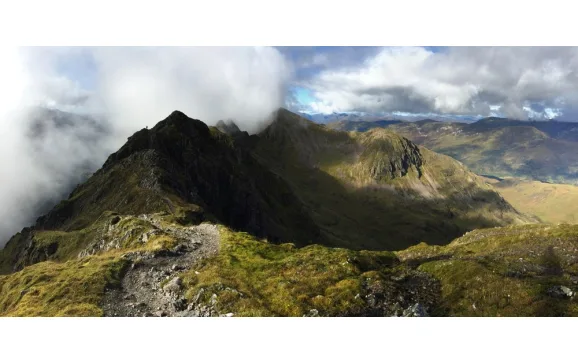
[
  {"x": 183, "y": 168},
  {"x": 545, "y": 151},
  {"x": 295, "y": 181},
  {"x": 377, "y": 190},
  {"x": 182, "y": 163}
]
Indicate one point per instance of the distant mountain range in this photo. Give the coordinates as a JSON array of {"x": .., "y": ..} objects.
[
  {"x": 370, "y": 117},
  {"x": 539, "y": 150}
]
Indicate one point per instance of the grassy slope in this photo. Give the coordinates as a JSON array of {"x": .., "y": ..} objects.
[
  {"x": 552, "y": 203},
  {"x": 69, "y": 285},
  {"x": 72, "y": 288},
  {"x": 275, "y": 280},
  {"x": 281, "y": 280},
  {"x": 489, "y": 272},
  {"x": 503, "y": 271}
]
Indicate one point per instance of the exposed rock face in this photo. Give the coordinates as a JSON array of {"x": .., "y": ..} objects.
[
  {"x": 416, "y": 310},
  {"x": 225, "y": 181},
  {"x": 31, "y": 253},
  {"x": 390, "y": 156},
  {"x": 228, "y": 127}
]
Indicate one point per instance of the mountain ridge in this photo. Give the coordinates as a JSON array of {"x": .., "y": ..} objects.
[
  {"x": 170, "y": 226},
  {"x": 545, "y": 151},
  {"x": 184, "y": 168}
]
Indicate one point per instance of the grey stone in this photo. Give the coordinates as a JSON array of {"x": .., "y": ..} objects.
[
  {"x": 213, "y": 299},
  {"x": 567, "y": 291},
  {"x": 174, "y": 285},
  {"x": 179, "y": 304},
  {"x": 417, "y": 310},
  {"x": 312, "y": 313},
  {"x": 560, "y": 292},
  {"x": 198, "y": 295}
]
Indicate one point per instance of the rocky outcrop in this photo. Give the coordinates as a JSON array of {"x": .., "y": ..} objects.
[{"x": 388, "y": 156}]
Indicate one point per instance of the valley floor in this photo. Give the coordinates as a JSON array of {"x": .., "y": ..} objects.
[{"x": 550, "y": 202}]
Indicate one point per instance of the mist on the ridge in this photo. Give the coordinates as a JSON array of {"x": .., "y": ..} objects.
[
  {"x": 115, "y": 92},
  {"x": 141, "y": 86}
]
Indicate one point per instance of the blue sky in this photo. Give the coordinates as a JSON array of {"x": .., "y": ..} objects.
[{"x": 302, "y": 94}]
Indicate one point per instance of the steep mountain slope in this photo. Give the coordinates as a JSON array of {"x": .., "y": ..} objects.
[
  {"x": 180, "y": 221},
  {"x": 182, "y": 168},
  {"x": 296, "y": 181},
  {"x": 377, "y": 189},
  {"x": 546, "y": 151}
]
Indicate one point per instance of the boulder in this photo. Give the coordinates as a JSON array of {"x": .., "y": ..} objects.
[
  {"x": 416, "y": 310},
  {"x": 174, "y": 285},
  {"x": 560, "y": 292}
]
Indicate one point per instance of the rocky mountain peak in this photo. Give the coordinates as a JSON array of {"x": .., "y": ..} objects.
[{"x": 228, "y": 127}]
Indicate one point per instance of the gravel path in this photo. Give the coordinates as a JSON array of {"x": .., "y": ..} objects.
[{"x": 151, "y": 286}]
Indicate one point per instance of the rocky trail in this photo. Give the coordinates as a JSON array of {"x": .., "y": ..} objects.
[{"x": 151, "y": 286}]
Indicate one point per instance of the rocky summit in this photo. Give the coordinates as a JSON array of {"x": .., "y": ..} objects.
[{"x": 299, "y": 219}]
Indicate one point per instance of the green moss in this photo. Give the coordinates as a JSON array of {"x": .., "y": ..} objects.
[
  {"x": 66, "y": 245},
  {"x": 473, "y": 289},
  {"x": 503, "y": 271},
  {"x": 73, "y": 288},
  {"x": 281, "y": 280}
]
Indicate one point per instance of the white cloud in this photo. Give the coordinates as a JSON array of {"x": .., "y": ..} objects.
[
  {"x": 462, "y": 80},
  {"x": 135, "y": 87},
  {"x": 40, "y": 158},
  {"x": 141, "y": 86}
]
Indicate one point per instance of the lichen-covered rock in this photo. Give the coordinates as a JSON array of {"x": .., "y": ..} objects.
[{"x": 174, "y": 285}]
